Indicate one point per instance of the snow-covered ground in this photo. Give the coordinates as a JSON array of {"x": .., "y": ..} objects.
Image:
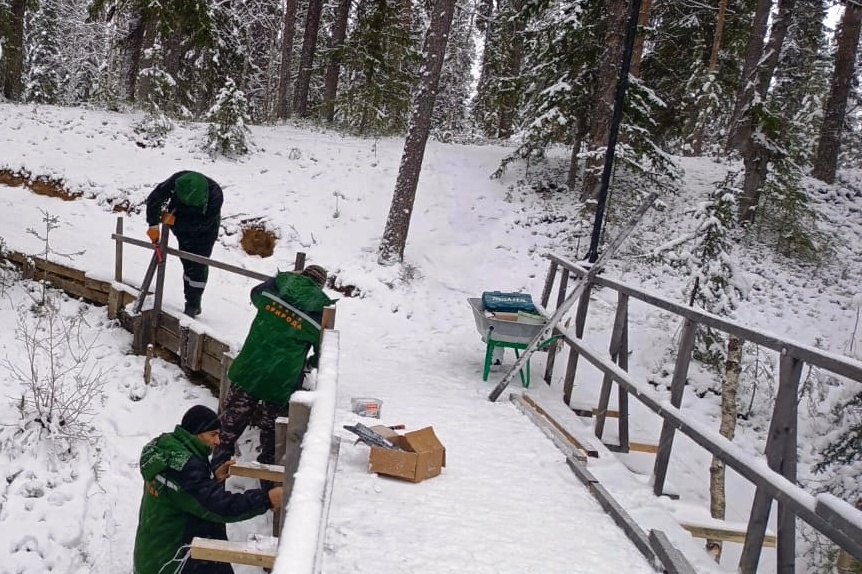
[{"x": 506, "y": 501}]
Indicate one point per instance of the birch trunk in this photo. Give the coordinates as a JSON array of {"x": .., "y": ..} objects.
[{"x": 727, "y": 428}]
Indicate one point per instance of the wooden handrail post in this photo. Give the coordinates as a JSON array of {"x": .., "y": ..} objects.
[
  {"x": 299, "y": 261},
  {"x": 779, "y": 442},
  {"x": 618, "y": 350},
  {"x": 677, "y": 386},
  {"x": 281, "y": 430},
  {"x": 552, "y": 348},
  {"x": 549, "y": 283},
  {"x": 118, "y": 252},
  {"x": 580, "y": 323}
]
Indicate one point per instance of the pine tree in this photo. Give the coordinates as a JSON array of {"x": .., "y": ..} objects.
[
  {"x": 380, "y": 65},
  {"x": 836, "y": 105},
  {"x": 228, "y": 118},
  {"x": 44, "y": 76},
  {"x": 13, "y": 14},
  {"x": 453, "y": 92},
  {"x": 679, "y": 69},
  {"x": 499, "y": 91}
]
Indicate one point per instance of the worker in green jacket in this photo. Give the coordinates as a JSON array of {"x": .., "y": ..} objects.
[
  {"x": 184, "y": 497},
  {"x": 270, "y": 366}
]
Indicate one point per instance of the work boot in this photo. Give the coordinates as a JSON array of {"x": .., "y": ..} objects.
[{"x": 192, "y": 310}]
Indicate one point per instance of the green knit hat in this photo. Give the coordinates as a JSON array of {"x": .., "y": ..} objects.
[{"x": 192, "y": 189}]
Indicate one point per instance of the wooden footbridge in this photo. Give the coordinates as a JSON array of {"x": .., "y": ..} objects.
[{"x": 309, "y": 450}]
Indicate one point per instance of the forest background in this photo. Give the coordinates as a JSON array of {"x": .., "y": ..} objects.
[{"x": 770, "y": 86}]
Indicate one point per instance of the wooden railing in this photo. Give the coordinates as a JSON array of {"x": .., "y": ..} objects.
[
  {"x": 305, "y": 439},
  {"x": 774, "y": 479}
]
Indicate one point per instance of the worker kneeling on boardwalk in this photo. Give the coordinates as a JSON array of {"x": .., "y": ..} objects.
[
  {"x": 184, "y": 498},
  {"x": 271, "y": 365}
]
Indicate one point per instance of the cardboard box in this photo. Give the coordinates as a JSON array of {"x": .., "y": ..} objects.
[{"x": 424, "y": 456}]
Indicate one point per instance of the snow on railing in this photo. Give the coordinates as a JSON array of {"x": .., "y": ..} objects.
[{"x": 302, "y": 534}]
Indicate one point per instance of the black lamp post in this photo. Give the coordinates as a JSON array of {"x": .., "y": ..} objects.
[{"x": 619, "y": 100}]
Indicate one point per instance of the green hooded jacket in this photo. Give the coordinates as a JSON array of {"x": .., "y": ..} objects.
[
  {"x": 182, "y": 500},
  {"x": 287, "y": 325}
]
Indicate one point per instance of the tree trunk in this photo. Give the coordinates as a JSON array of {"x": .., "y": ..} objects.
[
  {"x": 755, "y": 159},
  {"x": 398, "y": 221},
  {"x": 716, "y": 39},
  {"x": 829, "y": 144},
  {"x": 13, "y": 51},
  {"x": 580, "y": 134},
  {"x": 288, "y": 32},
  {"x": 755, "y": 154},
  {"x": 141, "y": 88},
  {"x": 697, "y": 135},
  {"x": 753, "y": 53},
  {"x": 638, "y": 51},
  {"x": 727, "y": 428},
  {"x": 333, "y": 68},
  {"x": 609, "y": 73},
  {"x": 306, "y": 59}
]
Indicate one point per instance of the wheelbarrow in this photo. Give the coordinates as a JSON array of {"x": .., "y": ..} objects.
[{"x": 508, "y": 331}]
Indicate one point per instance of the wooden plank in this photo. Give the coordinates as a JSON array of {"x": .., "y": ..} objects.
[
  {"x": 623, "y": 520},
  {"x": 578, "y": 444},
  {"x": 726, "y": 533},
  {"x": 633, "y": 446},
  {"x": 558, "y": 435},
  {"x": 231, "y": 552},
  {"x": 260, "y": 471},
  {"x": 191, "y": 348},
  {"x": 97, "y": 285},
  {"x": 580, "y": 470},
  {"x": 588, "y": 412},
  {"x": 214, "y": 347},
  {"x": 167, "y": 340},
  {"x": 672, "y": 559}
]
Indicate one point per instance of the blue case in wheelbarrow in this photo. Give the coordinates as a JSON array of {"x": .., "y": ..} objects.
[
  {"x": 507, "y": 326},
  {"x": 500, "y": 302}
]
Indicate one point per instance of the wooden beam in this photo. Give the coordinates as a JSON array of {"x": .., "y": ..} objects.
[
  {"x": 579, "y": 445},
  {"x": 672, "y": 559},
  {"x": 633, "y": 446},
  {"x": 233, "y": 552},
  {"x": 564, "y": 441},
  {"x": 260, "y": 471},
  {"x": 726, "y": 533}
]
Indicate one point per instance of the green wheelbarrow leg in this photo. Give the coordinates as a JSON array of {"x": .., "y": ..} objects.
[{"x": 489, "y": 354}]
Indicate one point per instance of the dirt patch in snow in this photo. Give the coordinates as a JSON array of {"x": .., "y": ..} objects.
[{"x": 40, "y": 184}]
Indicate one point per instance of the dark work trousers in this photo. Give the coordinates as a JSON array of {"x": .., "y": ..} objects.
[
  {"x": 195, "y": 274},
  {"x": 237, "y": 408}
]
